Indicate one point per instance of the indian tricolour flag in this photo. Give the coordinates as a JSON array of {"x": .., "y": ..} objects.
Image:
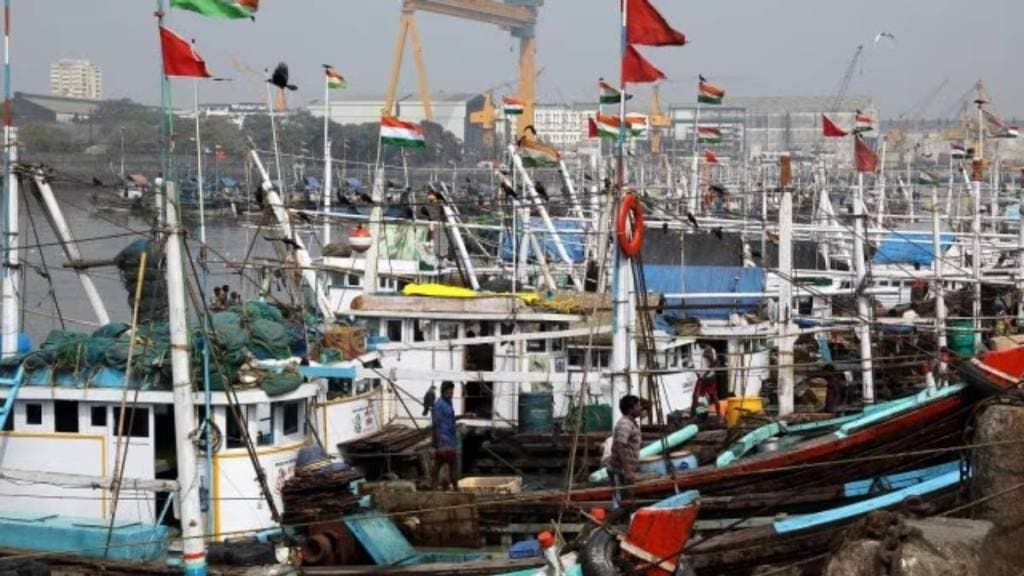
[
  {"x": 957, "y": 150},
  {"x": 513, "y": 106},
  {"x": 610, "y": 94},
  {"x": 638, "y": 124},
  {"x": 708, "y": 93},
  {"x": 710, "y": 134},
  {"x": 335, "y": 81},
  {"x": 607, "y": 126},
  {"x": 536, "y": 153},
  {"x": 863, "y": 123},
  {"x": 1011, "y": 132},
  {"x": 397, "y": 132}
]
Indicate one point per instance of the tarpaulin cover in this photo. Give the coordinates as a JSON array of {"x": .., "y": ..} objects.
[
  {"x": 569, "y": 231},
  {"x": 910, "y": 248},
  {"x": 705, "y": 279}
]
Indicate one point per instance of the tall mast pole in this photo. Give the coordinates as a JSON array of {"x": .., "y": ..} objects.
[
  {"x": 621, "y": 383},
  {"x": 192, "y": 533},
  {"x": 327, "y": 191},
  {"x": 863, "y": 305},
  {"x": 786, "y": 368},
  {"x": 9, "y": 209}
]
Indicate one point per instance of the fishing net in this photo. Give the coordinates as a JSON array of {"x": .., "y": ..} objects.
[{"x": 153, "y": 297}]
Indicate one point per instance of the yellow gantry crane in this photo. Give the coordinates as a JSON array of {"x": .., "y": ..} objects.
[
  {"x": 659, "y": 121},
  {"x": 519, "y": 17}
]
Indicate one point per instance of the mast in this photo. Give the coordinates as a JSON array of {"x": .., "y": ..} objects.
[
  {"x": 785, "y": 314},
  {"x": 976, "y": 176},
  {"x": 66, "y": 238},
  {"x": 192, "y": 533},
  {"x": 621, "y": 379},
  {"x": 10, "y": 276},
  {"x": 9, "y": 207},
  {"x": 940, "y": 296},
  {"x": 327, "y": 185},
  {"x": 863, "y": 304}
]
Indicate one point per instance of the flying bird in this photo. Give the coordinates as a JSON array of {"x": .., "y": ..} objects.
[
  {"x": 280, "y": 78},
  {"x": 889, "y": 35}
]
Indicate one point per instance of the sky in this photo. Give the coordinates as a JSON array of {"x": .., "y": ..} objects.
[{"x": 749, "y": 47}]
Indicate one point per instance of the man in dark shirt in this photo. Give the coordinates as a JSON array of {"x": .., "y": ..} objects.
[
  {"x": 626, "y": 440},
  {"x": 445, "y": 439}
]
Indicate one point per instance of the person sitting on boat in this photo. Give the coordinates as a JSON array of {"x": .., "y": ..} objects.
[
  {"x": 705, "y": 391},
  {"x": 625, "y": 454},
  {"x": 445, "y": 439},
  {"x": 215, "y": 303}
]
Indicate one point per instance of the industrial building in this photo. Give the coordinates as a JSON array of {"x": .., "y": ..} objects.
[
  {"x": 451, "y": 111},
  {"x": 765, "y": 127}
]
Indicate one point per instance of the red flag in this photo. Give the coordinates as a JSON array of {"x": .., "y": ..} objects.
[
  {"x": 867, "y": 161},
  {"x": 592, "y": 128},
  {"x": 179, "y": 57},
  {"x": 636, "y": 69},
  {"x": 252, "y": 5},
  {"x": 829, "y": 129},
  {"x": 710, "y": 157},
  {"x": 646, "y": 26}
]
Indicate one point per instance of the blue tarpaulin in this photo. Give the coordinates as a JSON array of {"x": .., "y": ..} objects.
[
  {"x": 910, "y": 248},
  {"x": 569, "y": 231},
  {"x": 705, "y": 279}
]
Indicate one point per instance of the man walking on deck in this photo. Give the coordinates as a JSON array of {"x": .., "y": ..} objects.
[
  {"x": 625, "y": 457},
  {"x": 445, "y": 440}
]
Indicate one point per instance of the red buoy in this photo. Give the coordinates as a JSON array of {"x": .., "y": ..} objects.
[{"x": 360, "y": 239}]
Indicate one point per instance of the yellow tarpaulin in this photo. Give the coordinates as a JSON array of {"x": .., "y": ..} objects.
[{"x": 443, "y": 291}]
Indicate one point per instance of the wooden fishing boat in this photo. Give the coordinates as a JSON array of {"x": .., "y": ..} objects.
[
  {"x": 857, "y": 447},
  {"x": 808, "y": 534},
  {"x": 994, "y": 372}
]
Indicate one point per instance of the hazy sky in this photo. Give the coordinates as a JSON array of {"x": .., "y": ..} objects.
[{"x": 750, "y": 47}]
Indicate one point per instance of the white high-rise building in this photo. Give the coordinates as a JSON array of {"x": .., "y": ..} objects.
[{"x": 76, "y": 79}]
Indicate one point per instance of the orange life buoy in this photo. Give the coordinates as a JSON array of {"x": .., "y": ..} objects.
[{"x": 630, "y": 245}]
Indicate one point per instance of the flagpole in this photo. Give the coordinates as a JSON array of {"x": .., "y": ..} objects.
[
  {"x": 208, "y": 407},
  {"x": 620, "y": 380},
  {"x": 273, "y": 135},
  {"x": 327, "y": 191},
  {"x": 199, "y": 167},
  {"x": 695, "y": 175}
]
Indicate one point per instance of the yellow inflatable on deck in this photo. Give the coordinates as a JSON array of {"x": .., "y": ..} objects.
[{"x": 443, "y": 291}]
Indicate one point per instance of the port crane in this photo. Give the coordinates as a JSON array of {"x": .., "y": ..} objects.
[{"x": 519, "y": 17}]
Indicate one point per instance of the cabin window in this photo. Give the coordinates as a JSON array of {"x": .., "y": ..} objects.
[
  {"x": 337, "y": 280},
  {"x": 9, "y": 423},
  {"x": 65, "y": 416},
  {"x": 290, "y": 418},
  {"x": 486, "y": 329},
  {"x": 264, "y": 424},
  {"x": 34, "y": 414},
  {"x": 536, "y": 344},
  {"x": 352, "y": 280},
  {"x": 576, "y": 357},
  {"x": 136, "y": 421},
  {"x": 417, "y": 331},
  {"x": 507, "y": 328},
  {"x": 234, "y": 432},
  {"x": 602, "y": 358},
  {"x": 339, "y": 387},
  {"x": 98, "y": 416},
  {"x": 394, "y": 330},
  {"x": 447, "y": 330}
]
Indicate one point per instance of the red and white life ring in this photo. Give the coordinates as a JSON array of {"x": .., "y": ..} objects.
[{"x": 631, "y": 237}]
